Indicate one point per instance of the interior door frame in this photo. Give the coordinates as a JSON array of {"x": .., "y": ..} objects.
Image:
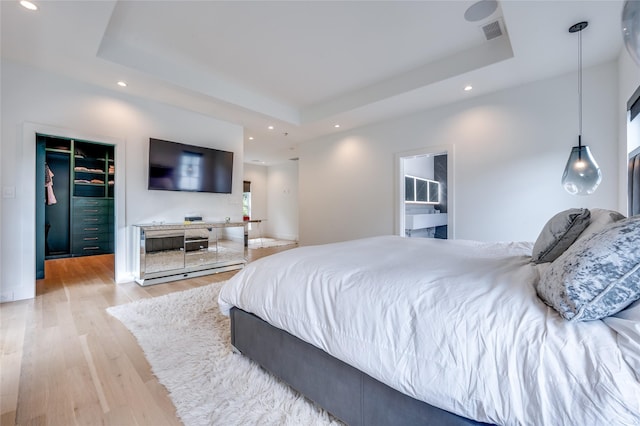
[
  {"x": 29, "y": 135},
  {"x": 449, "y": 150}
]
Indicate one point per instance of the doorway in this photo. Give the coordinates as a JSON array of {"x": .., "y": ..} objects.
[
  {"x": 25, "y": 271},
  {"x": 74, "y": 216},
  {"x": 424, "y": 188}
]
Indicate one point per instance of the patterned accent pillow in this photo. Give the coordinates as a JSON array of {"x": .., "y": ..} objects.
[
  {"x": 597, "y": 276},
  {"x": 600, "y": 219},
  {"x": 559, "y": 233}
]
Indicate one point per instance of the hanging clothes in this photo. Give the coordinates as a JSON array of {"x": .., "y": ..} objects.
[{"x": 50, "y": 197}]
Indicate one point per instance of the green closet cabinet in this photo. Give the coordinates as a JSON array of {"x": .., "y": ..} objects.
[
  {"x": 92, "y": 205},
  {"x": 92, "y": 231},
  {"x": 81, "y": 220}
]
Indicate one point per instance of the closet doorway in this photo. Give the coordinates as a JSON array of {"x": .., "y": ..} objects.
[
  {"x": 425, "y": 201},
  {"x": 75, "y": 187}
]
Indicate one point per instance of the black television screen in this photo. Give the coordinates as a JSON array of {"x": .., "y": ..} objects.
[{"x": 178, "y": 167}]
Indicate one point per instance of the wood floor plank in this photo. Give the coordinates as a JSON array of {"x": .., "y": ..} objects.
[
  {"x": 12, "y": 332},
  {"x": 66, "y": 361}
]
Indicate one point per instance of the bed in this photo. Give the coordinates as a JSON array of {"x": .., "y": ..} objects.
[{"x": 391, "y": 330}]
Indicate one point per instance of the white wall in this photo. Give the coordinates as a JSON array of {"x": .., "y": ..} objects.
[
  {"x": 257, "y": 175},
  {"x": 282, "y": 218},
  {"x": 510, "y": 149},
  {"x": 80, "y": 110},
  {"x": 274, "y": 199}
]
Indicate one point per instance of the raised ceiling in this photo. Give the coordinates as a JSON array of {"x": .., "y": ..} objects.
[{"x": 303, "y": 67}]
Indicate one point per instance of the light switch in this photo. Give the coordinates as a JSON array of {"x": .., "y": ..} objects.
[{"x": 8, "y": 192}]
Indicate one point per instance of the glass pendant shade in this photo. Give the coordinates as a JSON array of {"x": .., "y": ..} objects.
[
  {"x": 581, "y": 175},
  {"x": 631, "y": 28}
]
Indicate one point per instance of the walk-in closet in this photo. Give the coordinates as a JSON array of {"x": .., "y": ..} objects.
[{"x": 75, "y": 193}]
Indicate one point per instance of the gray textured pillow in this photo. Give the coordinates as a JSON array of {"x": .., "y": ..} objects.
[
  {"x": 559, "y": 233},
  {"x": 600, "y": 219},
  {"x": 597, "y": 276}
]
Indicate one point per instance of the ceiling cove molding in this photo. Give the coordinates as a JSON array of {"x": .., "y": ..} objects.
[
  {"x": 192, "y": 78},
  {"x": 486, "y": 54}
]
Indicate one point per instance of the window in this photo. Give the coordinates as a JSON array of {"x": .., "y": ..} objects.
[{"x": 246, "y": 200}]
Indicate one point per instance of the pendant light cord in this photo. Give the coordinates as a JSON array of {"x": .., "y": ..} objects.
[{"x": 580, "y": 88}]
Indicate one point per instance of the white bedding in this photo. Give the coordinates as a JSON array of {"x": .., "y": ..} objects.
[{"x": 456, "y": 324}]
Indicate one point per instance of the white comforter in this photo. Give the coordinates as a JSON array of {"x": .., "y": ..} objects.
[{"x": 456, "y": 324}]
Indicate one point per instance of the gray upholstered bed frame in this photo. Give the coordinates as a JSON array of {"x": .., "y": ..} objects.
[{"x": 347, "y": 393}]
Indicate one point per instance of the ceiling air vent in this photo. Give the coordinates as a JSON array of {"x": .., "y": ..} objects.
[{"x": 492, "y": 30}]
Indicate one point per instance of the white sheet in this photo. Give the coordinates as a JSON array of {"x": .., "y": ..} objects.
[{"x": 456, "y": 324}]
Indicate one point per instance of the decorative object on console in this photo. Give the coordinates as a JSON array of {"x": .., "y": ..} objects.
[
  {"x": 631, "y": 28},
  {"x": 581, "y": 175}
]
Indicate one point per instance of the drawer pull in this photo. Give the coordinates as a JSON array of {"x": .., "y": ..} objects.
[
  {"x": 90, "y": 238},
  {"x": 91, "y": 248},
  {"x": 90, "y": 210},
  {"x": 90, "y": 229},
  {"x": 90, "y": 219}
]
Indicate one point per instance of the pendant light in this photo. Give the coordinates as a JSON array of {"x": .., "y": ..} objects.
[
  {"x": 631, "y": 28},
  {"x": 581, "y": 175}
]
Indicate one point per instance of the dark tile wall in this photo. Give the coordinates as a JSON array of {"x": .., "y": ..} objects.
[{"x": 440, "y": 175}]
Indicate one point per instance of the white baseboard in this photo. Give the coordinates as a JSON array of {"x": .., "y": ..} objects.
[
  {"x": 127, "y": 277},
  {"x": 6, "y": 296},
  {"x": 283, "y": 237},
  {"x": 17, "y": 293}
]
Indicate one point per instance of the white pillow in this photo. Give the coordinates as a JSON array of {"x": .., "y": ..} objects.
[{"x": 597, "y": 276}]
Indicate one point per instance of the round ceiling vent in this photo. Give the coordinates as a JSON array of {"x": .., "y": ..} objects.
[{"x": 480, "y": 10}]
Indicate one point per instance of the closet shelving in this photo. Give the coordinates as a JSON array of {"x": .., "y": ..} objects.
[
  {"x": 81, "y": 222},
  {"x": 93, "y": 170}
]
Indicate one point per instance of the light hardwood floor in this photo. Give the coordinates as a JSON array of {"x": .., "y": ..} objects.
[{"x": 65, "y": 361}]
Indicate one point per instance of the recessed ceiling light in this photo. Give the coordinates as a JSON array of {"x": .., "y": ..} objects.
[
  {"x": 250, "y": 138},
  {"x": 468, "y": 87},
  {"x": 270, "y": 127},
  {"x": 337, "y": 126},
  {"x": 122, "y": 83},
  {"x": 28, "y": 5}
]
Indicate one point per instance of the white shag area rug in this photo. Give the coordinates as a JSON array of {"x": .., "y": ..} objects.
[
  {"x": 187, "y": 342},
  {"x": 269, "y": 242}
]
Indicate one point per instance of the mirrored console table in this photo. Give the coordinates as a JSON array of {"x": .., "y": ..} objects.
[{"x": 169, "y": 252}]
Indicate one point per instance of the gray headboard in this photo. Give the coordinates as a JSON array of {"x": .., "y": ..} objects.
[
  {"x": 633, "y": 106},
  {"x": 634, "y": 183}
]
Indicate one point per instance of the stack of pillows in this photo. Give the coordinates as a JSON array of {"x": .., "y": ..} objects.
[{"x": 593, "y": 259}]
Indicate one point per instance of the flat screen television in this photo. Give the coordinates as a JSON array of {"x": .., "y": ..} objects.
[{"x": 175, "y": 166}]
